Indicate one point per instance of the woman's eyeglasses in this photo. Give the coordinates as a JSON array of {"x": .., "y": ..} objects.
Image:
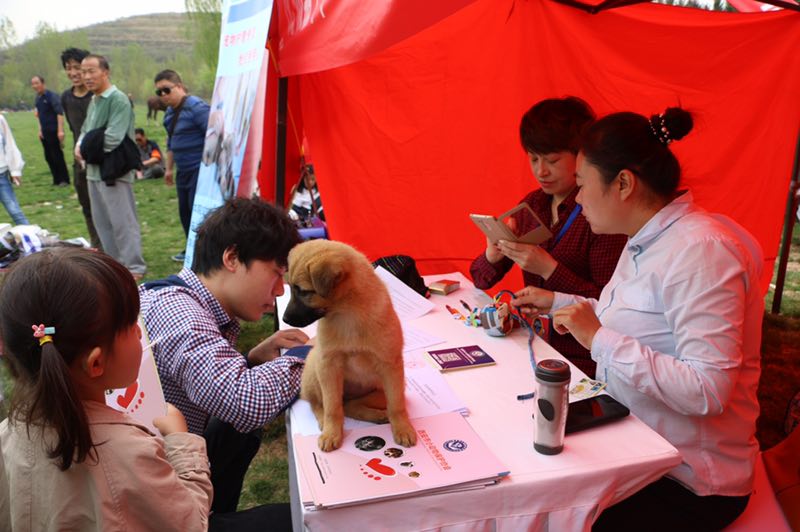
[{"x": 165, "y": 90}]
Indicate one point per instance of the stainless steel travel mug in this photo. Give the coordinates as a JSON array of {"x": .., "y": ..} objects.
[{"x": 552, "y": 382}]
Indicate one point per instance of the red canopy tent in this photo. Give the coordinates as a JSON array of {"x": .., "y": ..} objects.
[{"x": 413, "y": 130}]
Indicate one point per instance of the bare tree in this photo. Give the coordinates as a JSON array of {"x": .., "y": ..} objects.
[{"x": 8, "y": 35}]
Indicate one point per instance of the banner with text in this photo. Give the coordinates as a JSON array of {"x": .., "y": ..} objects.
[{"x": 242, "y": 42}]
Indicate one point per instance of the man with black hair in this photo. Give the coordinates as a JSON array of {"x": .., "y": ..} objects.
[
  {"x": 51, "y": 130},
  {"x": 75, "y": 101},
  {"x": 185, "y": 122},
  {"x": 227, "y": 396},
  {"x": 150, "y": 153}
]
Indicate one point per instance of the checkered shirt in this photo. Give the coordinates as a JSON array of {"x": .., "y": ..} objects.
[
  {"x": 585, "y": 264},
  {"x": 201, "y": 371}
]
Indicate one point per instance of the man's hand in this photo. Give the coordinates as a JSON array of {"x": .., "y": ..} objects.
[
  {"x": 41, "y": 136},
  {"x": 173, "y": 421},
  {"x": 16, "y": 179},
  {"x": 60, "y": 135},
  {"x": 579, "y": 320},
  {"x": 270, "y": 348},
  {"x": 533, "y": 301},
  {"x": 168, "y": 177}
]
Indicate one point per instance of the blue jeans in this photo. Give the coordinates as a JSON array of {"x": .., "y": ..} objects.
[{"x": 9, "y": 199}]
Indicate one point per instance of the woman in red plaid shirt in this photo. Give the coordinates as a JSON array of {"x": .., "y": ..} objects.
[{"x": 574, "y": 260}]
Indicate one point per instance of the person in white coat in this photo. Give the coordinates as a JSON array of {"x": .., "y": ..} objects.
[
  {"x": 676, "y": 332},
  {"x": 11, "y": 164}
]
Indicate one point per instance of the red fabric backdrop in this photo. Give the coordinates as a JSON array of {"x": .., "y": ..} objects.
[
  {"x": 322, "y": 34},
  {"x": 408, "y": 142}
]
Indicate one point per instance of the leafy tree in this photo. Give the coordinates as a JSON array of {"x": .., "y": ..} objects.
[
  {"x": 39, "y": 56},
  {"x": 132, "y": 70},
  {"x": 205, "y": 24}
]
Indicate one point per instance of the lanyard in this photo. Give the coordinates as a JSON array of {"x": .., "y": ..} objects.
[{"x": 574, "y": 214}]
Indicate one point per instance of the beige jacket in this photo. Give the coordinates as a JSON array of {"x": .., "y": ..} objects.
[{"x": 139, "y": 483}]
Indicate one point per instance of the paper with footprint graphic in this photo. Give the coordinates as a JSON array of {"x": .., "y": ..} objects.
[
  {"x": 369, "y": 466},
  {"x": 143, "y": 400}
]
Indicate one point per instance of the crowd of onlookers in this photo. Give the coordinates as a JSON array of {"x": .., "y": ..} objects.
[{"x": 110, "y": 153}]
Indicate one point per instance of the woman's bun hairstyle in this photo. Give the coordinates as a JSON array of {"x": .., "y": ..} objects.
[
  {"x": 673, "y": 124},
  {"x": 632, "y": 141}
]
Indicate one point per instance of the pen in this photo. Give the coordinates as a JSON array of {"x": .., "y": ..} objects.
[
  {"x": 456, "y": 314},
  {"x": 466, "y": 306},
  {"x": 151, "y": 344}
]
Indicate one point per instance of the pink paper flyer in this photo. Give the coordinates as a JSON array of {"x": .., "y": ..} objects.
[{"x": 449, "y": 455}]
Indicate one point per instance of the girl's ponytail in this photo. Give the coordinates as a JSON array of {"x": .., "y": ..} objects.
[
  {"x": 54, "y": 395},
  {"x": 84, "y": 298}
]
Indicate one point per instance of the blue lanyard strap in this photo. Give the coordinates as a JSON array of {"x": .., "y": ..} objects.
[
  {"x": 574, "y": 214},
  {"x": 474, "y": 320},
  {"x": 531, "y": 335}
]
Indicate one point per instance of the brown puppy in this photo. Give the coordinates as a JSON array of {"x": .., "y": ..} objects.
[{"x": 356, "y": 366}]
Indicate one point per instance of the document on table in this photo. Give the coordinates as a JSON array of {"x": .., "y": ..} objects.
[
  {"x": 407, "y": 303},
  {"x": 427, "y": 394},
  {"x": 414, "y": 338},
  {"x": 449, "y": 455}
]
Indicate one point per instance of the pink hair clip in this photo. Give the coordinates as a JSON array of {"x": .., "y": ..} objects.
[{"x": 43, "y": 333}]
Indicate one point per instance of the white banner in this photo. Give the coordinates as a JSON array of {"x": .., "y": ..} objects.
[{"x": 242, "y": 42}]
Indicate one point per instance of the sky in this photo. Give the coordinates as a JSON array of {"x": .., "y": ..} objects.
[{"x": 71, "y": 14}]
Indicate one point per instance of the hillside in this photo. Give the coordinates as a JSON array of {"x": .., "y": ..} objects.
[{"x": 160, "y": 35}]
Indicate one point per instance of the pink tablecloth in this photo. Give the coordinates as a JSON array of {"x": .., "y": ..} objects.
[{"x": 597, "y": 468}]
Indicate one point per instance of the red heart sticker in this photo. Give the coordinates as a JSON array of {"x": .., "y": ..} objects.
[
  {"x": 130, "y": 393},
  {"x": 376, "y": 465}
]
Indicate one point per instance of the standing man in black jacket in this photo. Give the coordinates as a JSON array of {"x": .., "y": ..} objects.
[
  {"x": 75, "y": 101},
  {"x": 51, "y": 130}
]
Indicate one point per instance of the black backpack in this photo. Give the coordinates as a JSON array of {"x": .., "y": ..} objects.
[
  {"x": 158, "y": 284},
  {"x": 404, "y": 268}
]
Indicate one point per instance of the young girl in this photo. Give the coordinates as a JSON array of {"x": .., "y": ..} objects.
[
  {"x": 68, "y": 320},
  {"x": 306, "y": 202}
]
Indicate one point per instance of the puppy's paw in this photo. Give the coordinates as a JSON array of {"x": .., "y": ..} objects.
[
  {"x": 404, "y": 434},
  {"x": 330, "y": 440}
]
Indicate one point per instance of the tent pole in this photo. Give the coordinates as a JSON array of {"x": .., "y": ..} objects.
[
  {"x": 788, "y": 229},
  {"x": 280, "y": 143}
]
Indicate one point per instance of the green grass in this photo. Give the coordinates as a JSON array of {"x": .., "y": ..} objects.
[
  {"x": 57, "y": 209},
  {"x": 790, "y": 302}
]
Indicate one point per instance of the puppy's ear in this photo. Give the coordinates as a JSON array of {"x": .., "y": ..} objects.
[{"x": 326, "y": 275}]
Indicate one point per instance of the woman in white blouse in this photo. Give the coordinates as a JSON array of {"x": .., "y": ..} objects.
[{"x": 676, "y": 332}]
